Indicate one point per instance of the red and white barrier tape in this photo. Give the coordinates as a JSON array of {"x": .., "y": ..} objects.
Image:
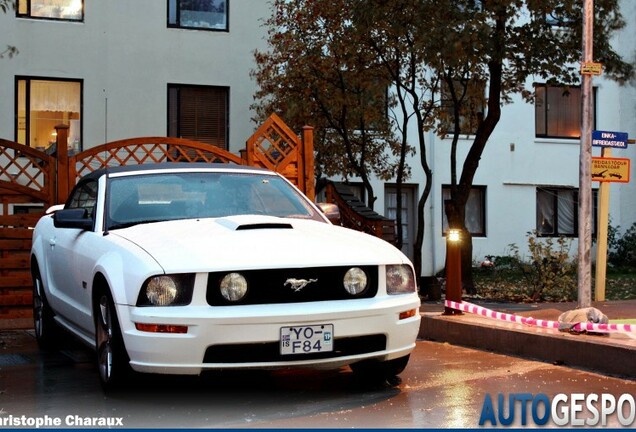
[{"x": 583, "y": 326}]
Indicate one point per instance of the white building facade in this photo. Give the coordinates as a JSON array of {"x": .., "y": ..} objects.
[
  {"x": 116, "y": 70},
  {"x": 528, "y": 176}
]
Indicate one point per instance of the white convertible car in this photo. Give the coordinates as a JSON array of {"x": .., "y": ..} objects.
[{"x": 179, "y": 268}]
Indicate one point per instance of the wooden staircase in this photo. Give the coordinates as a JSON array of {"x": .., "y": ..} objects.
[{"x": 356, "y": 215}]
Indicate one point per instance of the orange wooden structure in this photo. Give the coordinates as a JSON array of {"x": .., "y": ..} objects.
[
  {"x": 31, "y": 181},
  {"x": 27, "y": 179},
  {"x": 356, "y": 215}
]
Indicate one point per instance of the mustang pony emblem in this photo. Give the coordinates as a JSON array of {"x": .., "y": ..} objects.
[{"x": 298, "y": 284}]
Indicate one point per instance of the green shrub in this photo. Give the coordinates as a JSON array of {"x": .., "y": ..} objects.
[
  {"x": 622, "y": 249},
  {"x": 550, "y": 271},
  {"x": 546, "y": 274}
]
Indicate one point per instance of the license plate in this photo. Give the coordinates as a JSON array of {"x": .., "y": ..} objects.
[{"x": 306, "y": 339}]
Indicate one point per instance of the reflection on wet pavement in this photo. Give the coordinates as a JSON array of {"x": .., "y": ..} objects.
[{"x": 443, "y": 386}]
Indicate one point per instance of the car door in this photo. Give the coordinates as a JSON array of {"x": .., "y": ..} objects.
[{"x": 71, "y": 258}]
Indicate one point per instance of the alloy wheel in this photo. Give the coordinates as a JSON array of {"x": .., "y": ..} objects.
[{"x": 104, "y": 339}]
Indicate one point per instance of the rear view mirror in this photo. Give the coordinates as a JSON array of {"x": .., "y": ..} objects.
[{"x": 331, "y": 211}]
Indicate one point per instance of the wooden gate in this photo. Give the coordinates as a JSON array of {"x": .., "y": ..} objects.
[
  {"x": 31, "y": 181},
  {"x": 27, "y": 188}
]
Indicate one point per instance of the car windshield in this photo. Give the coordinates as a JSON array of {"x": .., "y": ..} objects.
[{"x": 168, "y": 196}]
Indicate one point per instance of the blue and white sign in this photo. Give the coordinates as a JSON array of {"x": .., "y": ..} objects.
[{"x": 609, "y": 139}]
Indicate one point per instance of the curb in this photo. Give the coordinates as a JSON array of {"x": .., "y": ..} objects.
[{"x": 597, "y": 353}]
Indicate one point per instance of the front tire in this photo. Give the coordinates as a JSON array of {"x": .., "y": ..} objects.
[
  {"x": 112, "y": 359},
  {"x": 46, "y": 329}
]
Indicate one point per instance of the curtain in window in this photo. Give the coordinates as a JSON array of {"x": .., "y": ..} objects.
[
  {"x": 55, "y": 96},
  {"x": 474, "y": 218},
  {"x": 474, "y": 213},
  {"x": 62, "y": 9},
  {"x": 566, "y": 206},
  {"x": 545, "y": 212},
  {"x": 556, "y": 211},
  {"x": 564, "y": 112}
]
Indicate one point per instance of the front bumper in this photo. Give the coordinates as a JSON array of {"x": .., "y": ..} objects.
[{"x": 363, "y": 329}]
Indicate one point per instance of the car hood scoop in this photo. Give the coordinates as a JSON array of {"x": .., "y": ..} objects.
[
  {"x": 254, "y": 242},
  {"x": 250, "y": 222}
]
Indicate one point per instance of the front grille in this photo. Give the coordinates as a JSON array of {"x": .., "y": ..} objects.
[
  {"x": 270, "y": 352},
  {"x": 277, "y": 285}
]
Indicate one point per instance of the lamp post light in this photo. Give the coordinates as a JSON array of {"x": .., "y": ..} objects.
[{"x": 453, "y": 269}]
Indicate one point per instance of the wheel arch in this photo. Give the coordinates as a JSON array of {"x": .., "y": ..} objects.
[{"x": 34, "y": 264}]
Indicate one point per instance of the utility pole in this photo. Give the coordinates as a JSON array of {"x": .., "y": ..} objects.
[{"x": 585, "y": 167}]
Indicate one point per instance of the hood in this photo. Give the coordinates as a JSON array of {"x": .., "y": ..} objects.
[{"x": 254, "y": 242}]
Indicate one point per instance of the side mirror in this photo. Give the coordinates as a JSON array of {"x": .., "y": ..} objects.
[
  {"x": 331, "y": 211},
  {"x": 72, "y": 218}
]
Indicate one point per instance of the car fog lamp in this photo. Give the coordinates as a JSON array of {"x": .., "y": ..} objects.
[
  {"x": 161, "y": 291},
  {"x": 355, "y": 281},
  {"x": 233, "y": 287},
  {"x": 399, "y": 279}
]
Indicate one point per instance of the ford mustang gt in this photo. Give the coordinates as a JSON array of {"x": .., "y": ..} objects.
[{"x": 180, "y": 268}]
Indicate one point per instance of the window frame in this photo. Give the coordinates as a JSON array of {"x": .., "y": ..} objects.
[
  {"x": 474, "y": 105},
  {"x": 482, "y": 189},
  {"x": 28, "y": 13},
  {"x": 409, "y": 206},
  {"x": 177, "y": 105},
  {"x": 177, "y": 18},
  {"x": 553, "y": 190},
  {"x": 27, "y": 118},
  {"x": 545, "y": 111}
]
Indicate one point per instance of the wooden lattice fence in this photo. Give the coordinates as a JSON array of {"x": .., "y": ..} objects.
[
  {"x": 31, "y": 181},
  {"x": 27, "y": 188}
]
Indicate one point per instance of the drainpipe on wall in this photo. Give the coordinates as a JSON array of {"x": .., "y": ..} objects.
[{"x": 433, "y": 197}]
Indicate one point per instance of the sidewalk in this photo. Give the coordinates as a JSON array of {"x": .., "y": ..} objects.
[{"x": 612, "y": 354}]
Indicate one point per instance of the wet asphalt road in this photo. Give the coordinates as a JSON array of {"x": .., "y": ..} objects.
[{"x": 443, "y": 386}]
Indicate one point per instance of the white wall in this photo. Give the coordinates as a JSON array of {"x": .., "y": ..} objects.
[
  {"x": 126, "y": 54},
  {"x": 512, "y": 176}
]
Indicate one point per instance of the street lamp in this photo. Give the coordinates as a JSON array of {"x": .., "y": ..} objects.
[{"x": 453, "y": 269}]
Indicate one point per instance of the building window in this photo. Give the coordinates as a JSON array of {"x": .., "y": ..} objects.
[
  {"x": 66, "y": 10},
  {"x": 557, "y": 212},
  {"x": 560, "y": 17},
  {"x": 558, "y": 111},
  {"x": 472, "y": 105},
  {"x": 198, "y": 14},
  {"x": 475, "y": 218},
  {"x": 42, "y": 104},
  {"x": 199, "y": 113},
  {"x": 409, "y": 222}
]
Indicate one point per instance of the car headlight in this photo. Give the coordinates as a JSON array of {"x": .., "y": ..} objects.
[
  {"x": 355, "y": 281},
  {"x": 167, "y": 290},
  {"x": 233, "y": 287},
  {"x": 399, "y": 279}
]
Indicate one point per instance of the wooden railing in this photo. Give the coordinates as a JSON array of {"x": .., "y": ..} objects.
[
  {"x": 32, "y": 180},
  {"x": 27, "y": 185},
  {"x": 356, "y": 215}
]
